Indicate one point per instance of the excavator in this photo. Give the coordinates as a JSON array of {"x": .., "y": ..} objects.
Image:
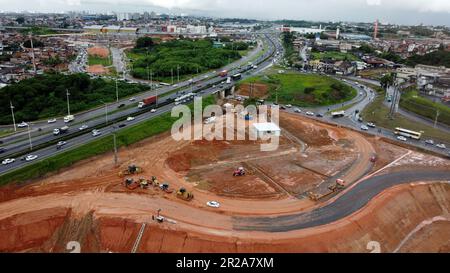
[
  {"x": 132, "y": 169},
  {"x": 184, "y": 194}
]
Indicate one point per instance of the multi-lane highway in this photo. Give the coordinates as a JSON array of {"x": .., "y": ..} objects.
[{"x": 210, "y": 83}]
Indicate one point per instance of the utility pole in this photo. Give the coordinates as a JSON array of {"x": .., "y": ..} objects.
[
  {"x": 32, "y": 54},
  {"x": 115, "y": 147},
  {"x": 171, "y": 70},
  {"x": 151, "y": 79},
  {"x": 178, "y": 73},
  {"x": 68, "y": 102},
  {"x": 12, "y": 113}
]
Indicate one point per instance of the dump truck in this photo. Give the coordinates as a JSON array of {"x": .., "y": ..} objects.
[
  {"x": 147, "y": 102},
  {"x": 184, "y": 194},
  {"x": 132, "y": 169},
  {"x": 143, "y": 183},
  {"x": 339, "y": 185}
]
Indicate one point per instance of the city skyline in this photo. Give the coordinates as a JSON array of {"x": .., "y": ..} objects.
[{"x": 436, "y": 12}]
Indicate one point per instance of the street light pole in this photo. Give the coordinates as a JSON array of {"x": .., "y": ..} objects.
[
  {"x": 29, "y": 137},
  {"x": 12, "y": 113},
  {"x": 178, "y": 73},
  {"x": 117, "y": 90},
  {"x": 68, "y": 103}
]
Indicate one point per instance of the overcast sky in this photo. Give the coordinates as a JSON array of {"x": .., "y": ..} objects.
[{"x": 435, "y": 12}]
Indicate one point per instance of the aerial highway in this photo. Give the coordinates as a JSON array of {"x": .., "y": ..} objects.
[{"x": 208, "y": 86}]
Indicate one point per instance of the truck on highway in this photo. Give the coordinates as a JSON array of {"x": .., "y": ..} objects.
[
  {"x": 223, "y": 73},
  {"x": 338, "y": 114},
  {"x": 147, "y": 102},
  {"x": 61, "y": 130},
  {"x": 69, "y": 118},
  {"x": 228, "y": 80}
]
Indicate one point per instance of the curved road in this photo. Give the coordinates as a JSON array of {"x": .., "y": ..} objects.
[{"x": 348, "y": 203}]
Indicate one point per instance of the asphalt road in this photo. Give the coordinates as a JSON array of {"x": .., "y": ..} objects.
[
  {"x": 87, "y": 137},
  {"x": 345, "y": 205}
]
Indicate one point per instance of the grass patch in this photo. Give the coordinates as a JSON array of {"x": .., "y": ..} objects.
[
  {"x": 413, "y": 102},
  {"x": 377, "y": 113},
  {"x": 305, "y": 90},
  {"x": 97, "y": 60},
  {"x": 99, "y": 146},
  {"x": 334, "y": 55}
]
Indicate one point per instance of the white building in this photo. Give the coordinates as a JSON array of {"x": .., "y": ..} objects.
[{"x": 266, "y": 129}]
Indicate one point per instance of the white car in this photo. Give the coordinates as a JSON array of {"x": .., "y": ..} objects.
[
  {"x": 442, "y": 146},
  {"x": 83, "y": 127},
  {"x": 22, "y": 125},
  {"x": 364, "y": 128},
  {"x": 31, "y": 157},
  {"x": 429, "y": 141},
  {"x": 296, "y": 110},
  {"x": 288, "y": 105},
  {"x": 8, "y": 161},
  {"x": 53, "y": 120},
  {"x": 310, "y": 113},
  {"x": 61, "y": 143},
  {"x": 153, "y": 111},
  {"x": 96, "y": 133},
  {"x": 402, "y": 138},
  {"x": 213, "y": 204},
  {"x": 130, "y": 118},
  {"x": 371, "y": 125},
  {"x": 132, "y": 99}
]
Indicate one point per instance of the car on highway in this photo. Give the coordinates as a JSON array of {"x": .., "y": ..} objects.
[
  {"x": 297, "y": 110},
  {"x": 53, "y": 120},
  {"x": 131, "y": 118},
  {"x": 122, "y": 125},
  {"x": 441, "y": 146},
  {"x": 60, "y": 144},
  {"x": 96, "y": 133},
  {"x": 213, "y": 204},
  {"x": 288, "y": 105},
  {"x": 83, "y": 127},
  {"x": 132, "y": 99},
  {"x": 309, "y": 113},
  {"x": 153, "y": 111},
  {"x": 402, "y": 138},
  {"x": 371, "y": 125},
  {"x": 319, "y": 115},
  {"x": 121, "y": 105},
  {"x": 364, "y": 128},
  {"x": 8, "y": 161},
  {"x": 30, "y": 157},
  {"x": 22, "y": 125},
  {"x": 429, "y": 141},
  {"x": 2, "y": 150}
]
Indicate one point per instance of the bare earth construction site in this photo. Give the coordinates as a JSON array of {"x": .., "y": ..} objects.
[{"x": 288, "y": 200}]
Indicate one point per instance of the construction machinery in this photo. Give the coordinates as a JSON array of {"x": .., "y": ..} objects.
[
  {"x": 143, "y": 183},
  {"x": 165, "y": 187},
  {"x": 339, "y": 185},
  {"x": 239, "y": 172},
  {"x": 132, "y": 169},
  {"x": 131, "y": 184},
  {"x": 184, "y": 194}
]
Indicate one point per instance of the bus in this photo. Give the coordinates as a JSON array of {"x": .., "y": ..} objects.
[
  {"x": 408, "y": 133},
  {"x": 237, "y": 77}
]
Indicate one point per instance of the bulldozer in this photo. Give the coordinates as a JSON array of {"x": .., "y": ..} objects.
[
  {"x": 184, "y": 194},
  {"x": 132, "y": 169},
  {"x": 239, "y": 172},
  {"x": 131, "y": 184}
]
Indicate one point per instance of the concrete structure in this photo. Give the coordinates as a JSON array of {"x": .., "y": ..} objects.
[{"x": 266, "y": 129}]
